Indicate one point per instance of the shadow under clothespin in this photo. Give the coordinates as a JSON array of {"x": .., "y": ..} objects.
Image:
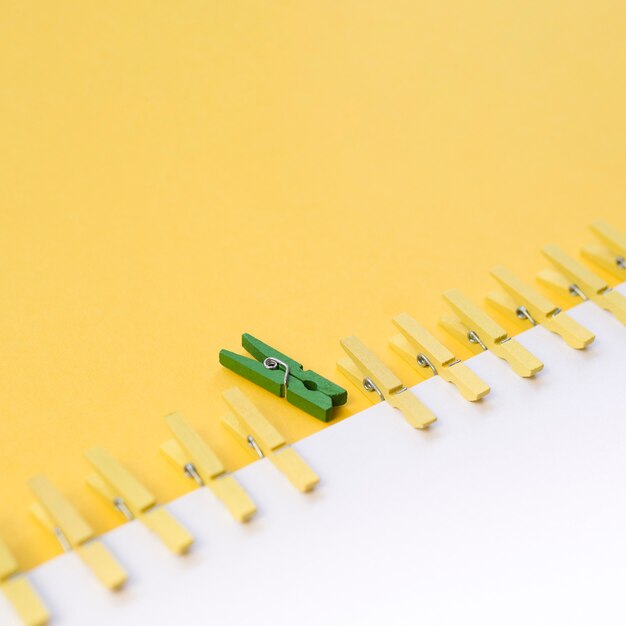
[
  {"x": 575, "y": 280},
  {"x": 474, "y": 328},
  {"x": 611, "y": 254},
  {"x": 284, "y": 377},
  {"x": 55, "y": 513},
  {"x": 379, "y": 384},
  {"x": 525, "y": 304},
  {"x": 19, "y": 591}
]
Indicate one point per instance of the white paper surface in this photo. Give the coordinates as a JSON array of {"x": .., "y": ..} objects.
[{"x": 508, "y": 511}]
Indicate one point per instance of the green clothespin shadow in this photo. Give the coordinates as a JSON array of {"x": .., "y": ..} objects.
[{"x": 284, "y": 377}]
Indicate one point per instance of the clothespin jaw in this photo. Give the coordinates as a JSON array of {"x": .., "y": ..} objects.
[
  {"x": 285, "y": 377},
  {"x": 196, "y": 459},
  {"x": 254, "y": 431},
  {"x": 577, "y": 280},
  {"x": 605, "y": 259},
  {"x": 611, "y": 256},
  {"x": 424, "y": 352},
  {"x": 522, "y": 302},
  {"x": 121, "y": 489},
  {"x": 508, "y": 307},
  {"x": 554, "y": 281},
  {"x": 56, "y": 514},
  {"x": 379, "y": 383},
  {"x": 19, "y": 592},
  {"x": 475, "y": 328},
  {"x": 459, "y": 331}
]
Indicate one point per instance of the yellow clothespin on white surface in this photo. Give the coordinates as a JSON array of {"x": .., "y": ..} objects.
[
  {"x": 611, "y": 254},
  {"x": 123, "y": 491},
  {"x": 574, "y": 279},
  {"x": 188, "y": 452},
  {"x": 256, "y": 434},
  {"x": 55, "y": 513},
  {"x": 19, "y": 592},
  {"x": 477, "y": 330},
  {"x": 380, "y": 384},
  {"x": 424, "y": 352},
  {"x": 522, "y": 302}
]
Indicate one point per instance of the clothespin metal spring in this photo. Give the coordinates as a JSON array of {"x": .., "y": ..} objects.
[
  {"x": 472, "y": 337},
  {"x": 191, "y": 472},
  {"x": 370, "y": 385},
  {"x": 576, "y": 291},
  {"x": 272, "y": 363},
  {"x": 64, "y": 542},
  {"x": 255, "y": 446},
  {"x": 524, "y": 314}
]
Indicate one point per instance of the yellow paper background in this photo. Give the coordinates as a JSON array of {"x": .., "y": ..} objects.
[{"x": 176, "y": 173}]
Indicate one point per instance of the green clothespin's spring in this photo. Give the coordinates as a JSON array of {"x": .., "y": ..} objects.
[
  {"x": 272, "y": 364},
  {"x": 284, "y": 377}
]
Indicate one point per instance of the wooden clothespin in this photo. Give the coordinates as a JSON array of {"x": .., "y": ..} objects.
[
  {"x": 256, "y": 434},
  {"x": 19, "y": 592},
  {"x": 611, "y": 255},
  {"x": 426, "y": 353},
  {"x": 380, "y": 384},
  {"x": 121, "y": 489},
  {"x": 188, "y": 452},
  {"x": 574, "y": 279},
  {"x": 477, "y": 330},
  {"x": 285, "y": 377},
  {"x": 522, "y": 302},
  {"x": 55, "y": 513}
]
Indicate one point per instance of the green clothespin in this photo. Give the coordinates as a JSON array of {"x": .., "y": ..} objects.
[{"x": 285, "y": 377}]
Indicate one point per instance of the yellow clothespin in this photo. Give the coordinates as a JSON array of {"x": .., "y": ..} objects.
[
  {"x": 480, "y": 332},
  {"x": 424, "y": 352},
  {"x": 55, "y": 513},
  {"x": 19, "y": 592},
  {"x": 612, "y": 255},
  {"x": 575, "y": 279},
  {"x": 522, "y": 302},
  {"x": 194, "y": 457},
  {"x": 121, "y": 489},
  {"x": 379, "y": 383},
  {"x": 255, "y": 433}
]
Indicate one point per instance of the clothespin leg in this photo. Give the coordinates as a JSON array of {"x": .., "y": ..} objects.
[{"x": 25, "y": 601}]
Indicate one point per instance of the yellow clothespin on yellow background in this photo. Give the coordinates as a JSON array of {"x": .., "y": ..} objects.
[
  {"x": 19, "y": 592},
  {"x": 611, "y": 254},
  {"x": 256, "y": 434},
  {"x": 476, "y": 329},
  {"x": 574, "y": 279},
  {"x": 522, "y": 302},
  {"x": 424, "y": 352},
  {"x": 380, "y": 384},
  {"x": 55, "y": 513},
  {"x": 188, "y": 452},
  {"x": 122, "y": 490}
]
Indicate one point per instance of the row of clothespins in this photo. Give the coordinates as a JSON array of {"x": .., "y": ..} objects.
[
  {"x": 190, "y": 454},
  {"x": 470, "y": 325},
  {"x": 318, "y": 396}
]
